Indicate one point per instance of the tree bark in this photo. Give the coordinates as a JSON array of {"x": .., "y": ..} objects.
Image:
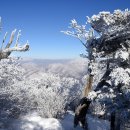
[{"x": 88, "y": 87}]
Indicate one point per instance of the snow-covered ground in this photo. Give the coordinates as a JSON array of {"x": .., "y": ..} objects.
[
  {"x": 35, "y": 122},
  {"x": 93, "y": 123}
]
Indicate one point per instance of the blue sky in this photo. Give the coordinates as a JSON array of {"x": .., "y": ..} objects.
[{"x": 42, "y": 20}]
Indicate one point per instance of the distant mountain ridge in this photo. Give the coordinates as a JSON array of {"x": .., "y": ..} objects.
[
  {"x": 63, "y": 67},
  {"x": 44, "y": 61}
]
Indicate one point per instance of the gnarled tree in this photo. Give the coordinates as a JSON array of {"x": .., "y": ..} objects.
[
  {"x": 111, "y": 48},
  {"x": 7, "y": 50}
]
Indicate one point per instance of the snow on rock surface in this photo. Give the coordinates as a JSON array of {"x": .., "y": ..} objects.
[{"x": 35, "y": 122}]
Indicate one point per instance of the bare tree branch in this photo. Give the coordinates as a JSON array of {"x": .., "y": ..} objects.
[
  {"x": 4, "y": 40},
  {"x": 11, "y": 38}
]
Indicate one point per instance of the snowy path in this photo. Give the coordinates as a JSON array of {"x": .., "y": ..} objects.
[
  {"x": 35, "y": 122},
  {"x": 93, "y": 123}
]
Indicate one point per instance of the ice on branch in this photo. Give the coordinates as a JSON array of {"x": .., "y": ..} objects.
[
  {"x": 120, "y": 75},
  {"x": 105, "y": 22},
  {"x": 7, "y": 50},
  {"x": 80, "y": 32},
  {"x": 110, "y": 27},
  {"x": 122, "y": 55}
]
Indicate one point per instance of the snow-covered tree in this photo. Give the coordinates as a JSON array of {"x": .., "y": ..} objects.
[{"x": 109, "y": 49}]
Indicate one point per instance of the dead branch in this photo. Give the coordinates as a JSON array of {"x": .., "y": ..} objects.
[{"x": 5, "y": 52}]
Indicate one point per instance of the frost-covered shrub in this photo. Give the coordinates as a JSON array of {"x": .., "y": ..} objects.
[
  {"x": 10, "y": 73},
  {"x": 48, "y": 95}
]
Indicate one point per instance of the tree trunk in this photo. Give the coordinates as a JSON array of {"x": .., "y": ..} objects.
[{"x": 88, "y": 87}]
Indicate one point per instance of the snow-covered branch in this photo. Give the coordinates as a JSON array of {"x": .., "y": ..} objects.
[
  {"x": 80, "y": 32},
  {"x": 106, "y": 22},
  {"x": 17, "y": 48},
  {"x": 7, "y": 50}
]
